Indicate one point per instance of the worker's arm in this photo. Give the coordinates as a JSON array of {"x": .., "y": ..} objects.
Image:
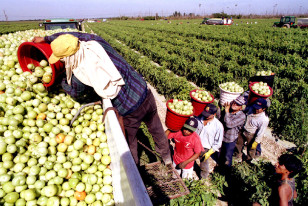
[
  {"x": 284, "y": 192},
  {"x": 183, "y": 164},
  {"x": 167, "y": 132},
  {"x": 38, "y": 39}
]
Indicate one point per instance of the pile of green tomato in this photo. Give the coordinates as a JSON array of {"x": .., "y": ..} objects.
[{"x": 44, "y": 160}]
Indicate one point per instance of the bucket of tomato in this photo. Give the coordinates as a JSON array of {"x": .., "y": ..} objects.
[
  {"x": 259, "y": 90},
  {"x": 199, "y": 100},
  {"x": 33, "y": 57},
  {"x": 178, "y": 111},
  {"x": 229, "y": 91}
]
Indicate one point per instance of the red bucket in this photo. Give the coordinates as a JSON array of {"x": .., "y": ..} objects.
[
  {"x": 198, "y": 105},
  {"x": 253, "y": 96},
  {"x": 175, "y": 121},
  {"x": 33, "y": 53}
]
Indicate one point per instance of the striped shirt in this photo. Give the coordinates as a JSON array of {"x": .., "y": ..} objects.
[
  {"x": 233, "y": 123},
  {"x": 134, "y": 92}
]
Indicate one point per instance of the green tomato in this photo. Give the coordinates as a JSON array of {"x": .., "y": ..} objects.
[
  {"x": 42, "y": 200},
  {"x": 20, "y": 202},
  {"x": 50, "y": 190},
  {"x": 90, "y": 198},
  {"x": 73, "y": 182},
  {"x": 64, "y": 201},
  {"x": 11, "y": 197},
  {"x": 19, "y": 180},
  {"x": 106, "y": 159},
  {"x": 29, "y": 194},
  {"x": 3, "y": 146},
  {"x": 31, "y": 179},
  {"x": 53, "y": 201},
  {"x": 39, "y": 184},
  {"x": 8, "y": 187}
]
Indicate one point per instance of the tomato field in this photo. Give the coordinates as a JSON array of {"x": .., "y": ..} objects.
[{"x": 210, "y": 55}]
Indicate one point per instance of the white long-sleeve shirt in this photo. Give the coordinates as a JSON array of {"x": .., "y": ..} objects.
[
  {"x": 257, "y": 124},
  {"x": 211, "y": 134}
]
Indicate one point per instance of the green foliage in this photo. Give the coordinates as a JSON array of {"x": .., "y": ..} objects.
[
  {"x": 11, "y": 27},
  {"x": 210, "y": 55},
  {"x": 201, "y": 193},
  {"x": 221, "y": 15},
  {"x": 302, "y": 178}
]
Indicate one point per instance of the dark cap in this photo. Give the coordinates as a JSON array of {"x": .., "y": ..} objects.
[
  {"x": 260, "y": 104},
  {"x": 191, "y": 124},
  {"x": 209, "y": 110}
]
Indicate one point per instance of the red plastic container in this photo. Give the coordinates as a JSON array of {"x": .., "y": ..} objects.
[
  {"x": 175, "y": 121},
  {"x": 198, "y": 105},
  {"x": 30, "y": 52},
  {"x": 253, "y": 96}
]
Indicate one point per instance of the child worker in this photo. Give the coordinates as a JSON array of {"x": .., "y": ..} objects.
[{"x": 187, "y": 149}]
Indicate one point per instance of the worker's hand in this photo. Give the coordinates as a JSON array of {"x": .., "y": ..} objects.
[
  {"x": 38, "y": 39},
  {"x": 208, "y": 154},
  {"x": 254, "y": 145},
  {"x": 182, "y": 165},
  {"x": 227, "y": 107}
]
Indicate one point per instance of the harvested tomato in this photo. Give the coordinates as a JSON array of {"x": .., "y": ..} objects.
[
  {"x": 80, "y": 195},
  {"x": 60, "y": 138},
  {"x": 41, "y": 116}
]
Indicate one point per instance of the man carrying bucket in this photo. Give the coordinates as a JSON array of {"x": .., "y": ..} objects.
[
  {"x": 233, "y": 121},
  {"x": 93, "y": 65},
  {"x": 254, "y": 129},
  {"x": 211, "y": 131}
]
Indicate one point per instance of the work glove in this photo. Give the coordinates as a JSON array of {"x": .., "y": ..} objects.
[
  {"x": 208, "y": 154},
  {"x": 254, "y": 145}
]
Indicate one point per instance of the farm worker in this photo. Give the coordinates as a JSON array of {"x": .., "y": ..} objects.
[
  {"x": 287, "y": 167},
  {"x": 233, "y": 121},
  {"x": 93, "y": 65},
  {"x": 249, "y": 110},
  {"x": 284, "y": 192},
  {"x": 187, "y": 147},
  {"x": 210, "y": 130},
  {"x": 254, "y": 129}
]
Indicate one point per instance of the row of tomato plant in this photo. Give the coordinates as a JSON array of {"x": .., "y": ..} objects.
[{"x": 210, "y": 65}]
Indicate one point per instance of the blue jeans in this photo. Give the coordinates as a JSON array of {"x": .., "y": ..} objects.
[{"x": 227, "y": 150}]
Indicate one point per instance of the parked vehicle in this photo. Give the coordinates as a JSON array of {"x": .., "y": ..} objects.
[
  {"x": 286, "y": 22},
  {"x": 302, "y": 22},
  {"x": 51, "y": 24},
  {"x": 217, "y": 21}
]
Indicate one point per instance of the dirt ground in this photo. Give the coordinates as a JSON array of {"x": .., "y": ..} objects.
[{"x": 271, "y": 146}]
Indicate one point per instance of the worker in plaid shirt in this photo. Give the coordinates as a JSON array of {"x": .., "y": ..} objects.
[{"x": 134, "y": 101}]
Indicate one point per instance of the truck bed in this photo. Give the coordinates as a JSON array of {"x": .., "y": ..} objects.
[{"x": 302, "y": 22}]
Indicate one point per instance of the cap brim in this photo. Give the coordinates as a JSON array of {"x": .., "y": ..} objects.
[
  {"x": 206, "y": 114},
  {"x": 53, "y": 59},
  {"x": 257, "y": 106},
  {"x": 189, "y": 127}
]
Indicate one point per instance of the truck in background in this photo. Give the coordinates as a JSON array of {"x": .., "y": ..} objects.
[
  {"x": 51, "y": 24},
  {"x": 302, "y": 22},
  {"x": 217, "y": 21}
]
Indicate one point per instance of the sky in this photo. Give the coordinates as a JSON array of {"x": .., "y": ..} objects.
[{"x": 41, "y": 9}]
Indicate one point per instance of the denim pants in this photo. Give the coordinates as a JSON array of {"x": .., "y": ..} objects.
[
  {"x": 227, "y": 150},
  {"x": 147, "y": 113}
]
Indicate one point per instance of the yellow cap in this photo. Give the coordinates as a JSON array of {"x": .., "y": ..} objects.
[{"x": 63, "y": 46}]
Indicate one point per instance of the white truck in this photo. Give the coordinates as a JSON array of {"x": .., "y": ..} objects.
[
  {"x": 302, "y": 22},
  {"x": 217, "y": 21}
]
